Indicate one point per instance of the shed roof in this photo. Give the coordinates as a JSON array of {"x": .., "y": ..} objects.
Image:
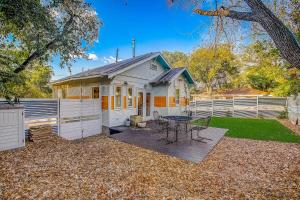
[{"x": 113, "y": 69}]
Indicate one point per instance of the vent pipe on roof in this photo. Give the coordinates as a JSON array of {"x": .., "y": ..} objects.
[
  {"x": 117, "y": 54},
  {"x": 133, "y": 47}
]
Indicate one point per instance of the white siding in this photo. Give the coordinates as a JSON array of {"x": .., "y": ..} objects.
[
  {"x": 118, "y": 116},
  {"x": 184, "y": 92},
  {"x": 11, "y": 129},
  {"x": 138, "y": 78},
  {"x": 160, "y": 91},
  {"x": 141, "y": 74}
]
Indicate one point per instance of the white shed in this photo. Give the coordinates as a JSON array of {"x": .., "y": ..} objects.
[{"x": 12, "y": 133}]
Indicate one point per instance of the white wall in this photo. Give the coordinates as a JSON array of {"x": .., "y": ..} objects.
[
  {"x": 138, "y": 78},
  {"x": 141, "y": 74},
  {"x": 161, "y": 90},
  {"x": 118, "y": 116},
  {"x": 184, "y": 92}
]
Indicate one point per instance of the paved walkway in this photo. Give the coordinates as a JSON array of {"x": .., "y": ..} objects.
[{"x": 185, "y": 148}]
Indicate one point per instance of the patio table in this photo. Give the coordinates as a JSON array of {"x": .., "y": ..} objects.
[{"x": 178, "y": 120}]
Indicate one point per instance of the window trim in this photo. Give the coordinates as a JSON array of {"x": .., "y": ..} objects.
[
  {"x": 130, "y": 106},
  {"x": 116, "y": 100},
  {"x": 177, "y": 101},
  {"x": 94, "y": 93}
]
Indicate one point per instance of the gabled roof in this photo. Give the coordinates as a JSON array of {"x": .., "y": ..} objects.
[
  {"x": 172, "y": 74},
  {"x": 113, "y": 69}
]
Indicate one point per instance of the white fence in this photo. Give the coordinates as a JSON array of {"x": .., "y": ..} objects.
[
  {"x": 71, "y": 119},
  {"x": 266, "y": 107},
  {"x": 294, "y": 109},
  {"x": 40, "y": 112},
  {"x": 79, "y": 119}
]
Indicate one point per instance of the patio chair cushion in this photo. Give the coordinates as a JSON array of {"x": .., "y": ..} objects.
[{"x": 142, "y": 124}]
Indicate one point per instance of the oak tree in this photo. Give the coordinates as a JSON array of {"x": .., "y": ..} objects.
[
  {"x": 42, "y": 29},
  {"x": 254, "y": 11}
]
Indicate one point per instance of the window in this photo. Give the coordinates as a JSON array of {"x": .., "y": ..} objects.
[
  {"x": 118, "y": 97},
  {"x": 177, "y": 96},
  {"x": 129, "y": 97},
  {"x": 153, "y": 67},
  {"x": 95, "y": 92}
]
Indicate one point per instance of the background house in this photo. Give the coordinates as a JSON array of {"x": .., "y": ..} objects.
[{"x": 136, "y": 86}]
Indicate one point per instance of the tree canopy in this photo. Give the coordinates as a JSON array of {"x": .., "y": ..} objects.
[
  {"x": 214, "y": 67},
  {"x": 176, "y": 58},
  {"x": 34, "y": 30},
  {"x": 267, "y": 71}
]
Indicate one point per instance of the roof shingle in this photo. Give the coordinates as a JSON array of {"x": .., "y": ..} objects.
[
  {"x": 110, "y": 68},
  {"x": 167, "y": 76}
]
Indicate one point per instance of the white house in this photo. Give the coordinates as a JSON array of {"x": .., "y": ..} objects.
[{"x": 136, "y": 86}]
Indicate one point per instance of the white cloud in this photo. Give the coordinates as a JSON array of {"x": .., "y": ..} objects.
[
  {"x": 92, "y": 56},
  {"x": 110, "y": 59}
]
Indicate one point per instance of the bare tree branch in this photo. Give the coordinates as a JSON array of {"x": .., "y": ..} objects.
[{"x": 246, "y": 16}]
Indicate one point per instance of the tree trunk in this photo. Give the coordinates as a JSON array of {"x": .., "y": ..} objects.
[
  {"x": 283, "y": 38},
  {"x": 209, "y": 90}
]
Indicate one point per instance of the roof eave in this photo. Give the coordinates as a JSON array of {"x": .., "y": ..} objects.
[{"x": 74, "y": 79}]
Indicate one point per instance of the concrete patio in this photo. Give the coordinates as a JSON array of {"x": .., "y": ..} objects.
[{"x": 185, "y": 148}]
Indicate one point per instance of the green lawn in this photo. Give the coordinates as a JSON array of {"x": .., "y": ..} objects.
[{"x": 257, "y": 129}]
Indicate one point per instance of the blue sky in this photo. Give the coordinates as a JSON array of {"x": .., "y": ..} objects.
[{"x": 155, "y": 25}]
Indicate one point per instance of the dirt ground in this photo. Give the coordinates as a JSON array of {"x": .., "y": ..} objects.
[
  {"x": 102, "y": 168},
  {"x": 288, "y": 124}
]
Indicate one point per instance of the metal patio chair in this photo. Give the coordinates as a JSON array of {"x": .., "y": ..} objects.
[
  {"x": 199, "y": 128},
  {"x": 161, "y": 124},
  {"x": 173, "y": 127}
]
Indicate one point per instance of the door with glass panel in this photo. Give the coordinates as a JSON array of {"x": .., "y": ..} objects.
[{"x": 140, "y": 103}]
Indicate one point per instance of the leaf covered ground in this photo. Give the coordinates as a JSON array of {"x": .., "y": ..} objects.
[{"x": 102, "y": 168}]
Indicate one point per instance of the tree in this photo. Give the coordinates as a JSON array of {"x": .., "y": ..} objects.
[
  {"x": 213, "y": 67},
  {"x": 30, "y": 83},
  {"x": 256, "y": 11},
  {"x": 176, "y": 58},
  {"x": 37, "y": 30},
  {"x": 295, "y": 17},
  {"x": 267, "y": 71}
]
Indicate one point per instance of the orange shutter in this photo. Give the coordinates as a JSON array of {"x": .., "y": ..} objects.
[
  {"x": 183, "y": 101},
  {"x": 134, "y": 101},
  {"x": 172, "y": 102},
  {"x": 105, "y": 102},
  {"x": 160, "y": 101},
  {"x": 77, "y": 97},
  {"x": 112, "y": 101},
  {"x": 124, "y": 102}
]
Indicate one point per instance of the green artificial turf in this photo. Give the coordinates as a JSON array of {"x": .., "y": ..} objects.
[{"x": 257, "y": 129}]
